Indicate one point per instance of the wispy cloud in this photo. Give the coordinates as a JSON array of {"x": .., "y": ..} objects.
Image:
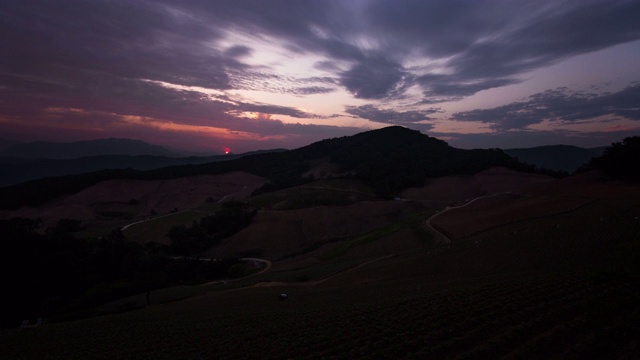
[
  {"x": 112, "y": 56},
  {"x": 393, "y": 117},
  {"x": 559, "y": 105}
]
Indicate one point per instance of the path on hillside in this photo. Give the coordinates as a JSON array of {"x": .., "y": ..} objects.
[
  {"x": 336, "y": 189},
  {"x": 153, "y": 218},
  {"x": 315, "y": 282},
  {"x": 449, "y": 208},
  {"x": 181, "y": 211},
  {"x": 226, "y": 196},
  {"x": 266, "y": 268}
]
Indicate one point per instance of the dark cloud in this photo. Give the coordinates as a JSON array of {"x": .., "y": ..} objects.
[
  {"x": 98, "y": 55},
  {"x": 238, "y": 51},
  {"x": 487, "y": 43},
  {"x": 440, "y": 88},
  {"x": 372, "y": 79},
  {"x": 131, "y": 39},
  {"x": 550, "y": 32},
  {"x": 372, "y": 113},
  {"x": 558, "y": 105},
  {"x": 310, "y": 90},
  {"x": 273, "y": 110}
]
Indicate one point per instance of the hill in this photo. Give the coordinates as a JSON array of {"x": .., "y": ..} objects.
[
  {"x": 18, "y": 170},
  {"x": 619, "y": 161},
  {"x": 548, "y": 270},
  {"x": 5, "y": 143},
  {"x": 72, "y": 150},
  {"x": 497, "y": 263},
  {"x": 556, "y": 157},
  {"x": 388, "y": 159}
]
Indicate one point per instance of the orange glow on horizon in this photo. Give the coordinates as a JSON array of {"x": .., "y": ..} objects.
[{"x": 227, "y": 151}]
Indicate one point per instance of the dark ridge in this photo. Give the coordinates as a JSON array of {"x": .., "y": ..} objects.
[
  {"x": 556, "y": 157},
  {"x": 16, "y": 170},
  {"x": 389, "y": 159},
  {"x": 77, "y": 149}
]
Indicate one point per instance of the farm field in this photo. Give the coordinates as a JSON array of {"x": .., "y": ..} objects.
[
  {"x": 531, "y": 274},
  {"x": 120, "y": 202},
  {"x": 156, "y": 229},
  {"x": 568, "y": 316}
]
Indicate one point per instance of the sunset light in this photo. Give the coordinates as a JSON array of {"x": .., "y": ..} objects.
[
  {"x": 354, "y": 179},
  {"x": 193, "y": 75}
]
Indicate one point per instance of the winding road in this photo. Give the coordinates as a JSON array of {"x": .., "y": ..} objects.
[{"x": 266, "y": 268}]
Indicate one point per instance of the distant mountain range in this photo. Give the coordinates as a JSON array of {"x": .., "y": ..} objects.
[
  {"x": 29, "y": 161},
  {"x": 556, "y": 157},
  {"x": 388, "y": 160},
  {"x": 17, "y": 170},
  {"x": 78, "y": 149}
]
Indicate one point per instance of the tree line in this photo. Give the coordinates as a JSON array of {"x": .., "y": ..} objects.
[{"x": 52, "y": 273}]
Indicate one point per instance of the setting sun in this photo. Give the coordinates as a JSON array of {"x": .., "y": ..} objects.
[{"x": 227, "y": 151}]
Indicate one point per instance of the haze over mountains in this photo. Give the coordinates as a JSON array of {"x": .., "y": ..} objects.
[
  {"x": 21, "y": 162},
  {"x": 389, "y": 159},
  {"x": 28, "y": 161}
]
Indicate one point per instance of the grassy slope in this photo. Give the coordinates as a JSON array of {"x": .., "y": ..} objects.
[{"x": 546, "y": 290}]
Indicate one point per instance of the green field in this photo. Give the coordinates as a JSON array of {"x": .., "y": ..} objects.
[
  {"x": 566, "y": 285},
  {"x": 156, "y": 229}
]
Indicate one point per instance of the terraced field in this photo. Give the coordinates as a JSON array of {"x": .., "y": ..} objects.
[
  {"x": 541, "y": 316},
  {"x": 560, "y": 282}
]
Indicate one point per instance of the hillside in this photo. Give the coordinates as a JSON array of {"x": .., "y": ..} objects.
[
  {"x": 389, "y": 159},
  {"x": 497, "y": 263},
  {"x": 17, "y": 170},
  {"x": 72, "y": 150},
  {"x": 548, "y": 269}
]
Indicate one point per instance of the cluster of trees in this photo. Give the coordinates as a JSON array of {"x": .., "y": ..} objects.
[
  {"x": 52, "y": 273},
  {"x": 210, "y": 230},
  {"x": 620, "y": 160}
]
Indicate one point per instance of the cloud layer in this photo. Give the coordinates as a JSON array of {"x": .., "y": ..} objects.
[
  {"x": 248, "y": 67},
  {"x": 559, "y": 105}
]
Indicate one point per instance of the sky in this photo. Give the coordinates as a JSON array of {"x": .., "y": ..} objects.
[{"x": 207, "y": 75}]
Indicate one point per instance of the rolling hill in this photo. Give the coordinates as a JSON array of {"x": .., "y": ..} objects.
[
  {"x": 556, "y": 157},
  {"x": 389, "y": 159},
  {"x": 18, "y": 170},
  {"x": 523, "y": 265}
]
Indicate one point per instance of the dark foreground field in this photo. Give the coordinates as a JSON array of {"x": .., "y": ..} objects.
[
  {"x": 520, "y": 316},
  {"x": 553, "y": 275}
]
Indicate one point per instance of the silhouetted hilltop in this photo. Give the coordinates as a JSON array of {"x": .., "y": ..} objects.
[
  {"x": 620, "y": 160},
  {"x": 556, "y": 157},
  {"x": 389, "y": 159}
]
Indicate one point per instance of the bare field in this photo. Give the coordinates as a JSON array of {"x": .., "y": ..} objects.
[
  {"x": 501, "y": 210},
  {"x": 524, "y": 282},
  {"x": 453, "y": 189},
  {"x": 287, "y": 232},
  {"x": 122, "y": 201},
  {"x": 157, "y": 229}
]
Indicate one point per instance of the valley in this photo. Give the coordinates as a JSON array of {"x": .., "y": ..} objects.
[{"x": 520, "y": 264}]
